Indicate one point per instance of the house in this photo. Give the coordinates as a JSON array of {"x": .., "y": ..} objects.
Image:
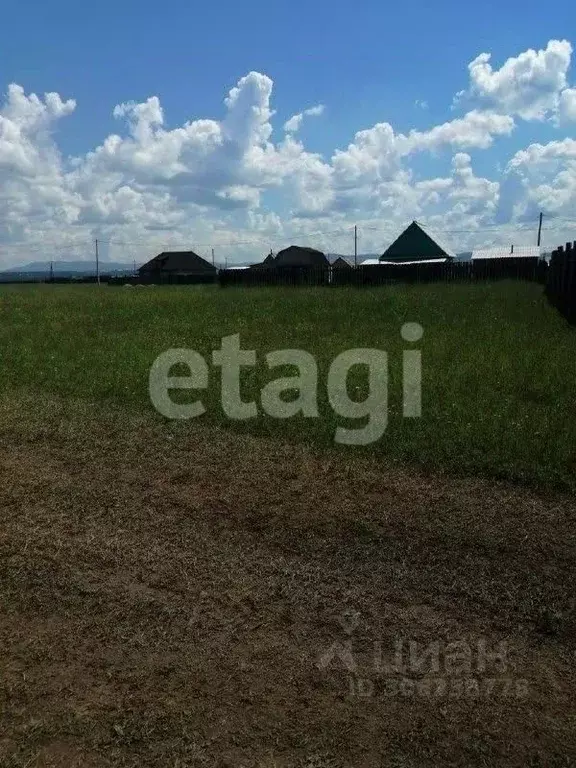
[
  {"x": 176, "y": 263},
  {"x": 297, "y": 256},
  {"x": 416, "y": 244},
  {"x": 341, "y": 263},
  {"x": 524, "y": 261},
  {"x": 508, "y": 252}
]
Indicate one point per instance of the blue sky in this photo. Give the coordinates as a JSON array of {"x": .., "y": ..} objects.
[
  {"x": 369, "y": 63},
  {"x": 366, "y": 64}
]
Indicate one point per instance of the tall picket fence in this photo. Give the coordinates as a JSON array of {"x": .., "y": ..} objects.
[
  {"x": 561, "y": 280},
  {"x": 532, "y": 269}
]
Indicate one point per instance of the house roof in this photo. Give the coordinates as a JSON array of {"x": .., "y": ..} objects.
[
  {"x": 418, "y": 261},
  {"x": 269, "y": 261},
  {"x": 416, "y": 243},
  {"x": 298, "y": 256},
  {"x": 378, "y": 262},
  {"x": 184, "y": 262},
  {"x": 341, "y": 262},
  {"x": 505, "y": 252}
]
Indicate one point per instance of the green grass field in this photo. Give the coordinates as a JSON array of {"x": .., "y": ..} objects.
[{"x": 499, "y": 364}]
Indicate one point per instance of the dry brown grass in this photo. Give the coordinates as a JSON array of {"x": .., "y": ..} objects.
[{"x": 168, "y": 590}]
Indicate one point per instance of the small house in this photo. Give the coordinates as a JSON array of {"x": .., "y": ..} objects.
[
  {"x": 298, "y": 256},
  {"x": 170, "y": 264},
  {"x": 341, "y": 263},
  {"x": 507, "y": 252},
  {"x": 523, "y": 261}
]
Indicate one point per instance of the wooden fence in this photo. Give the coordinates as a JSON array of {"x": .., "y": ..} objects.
[
  {"x": 533, "y": 269},
  {"x": 159, "y": 278},
  {"x": 561, "y": 280}
]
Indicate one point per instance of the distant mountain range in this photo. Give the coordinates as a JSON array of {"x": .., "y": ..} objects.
[{"x": 70, "y": 268}]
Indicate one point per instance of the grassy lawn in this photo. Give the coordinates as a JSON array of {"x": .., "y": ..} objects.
[{"x": 498, "y": 363}]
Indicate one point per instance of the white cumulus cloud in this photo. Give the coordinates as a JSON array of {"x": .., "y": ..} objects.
[
  {"x": 295, "y": 122},
  {"x": 567, "y": 106},
  {"x": 528, "y": 85}
]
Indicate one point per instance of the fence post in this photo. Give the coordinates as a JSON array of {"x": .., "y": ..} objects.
[
  {"x": 572, "y": 296},
  {"x": 565, "y": 275},
  {"x": 559, "y": 270},
  {"x": 569, "y": 284}
]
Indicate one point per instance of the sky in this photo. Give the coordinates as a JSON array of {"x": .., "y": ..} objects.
[{"x": 246, "y": 127}]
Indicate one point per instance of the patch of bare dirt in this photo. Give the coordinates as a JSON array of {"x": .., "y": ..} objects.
[{"x": 173, "y": 595}]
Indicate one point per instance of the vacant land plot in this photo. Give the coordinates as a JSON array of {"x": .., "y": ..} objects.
[
  {"x": 499, "y": 364},
  {"x": 189, "y": 594}
]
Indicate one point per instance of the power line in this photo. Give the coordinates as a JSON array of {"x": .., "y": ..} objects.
[
  {"x": 290, "y": 238},
  {"x": 254, "y": 241},
  {"x": 565, "y": 219},
  {"x": 487, "y": 228},
  {"x": 554, "y": 222}
]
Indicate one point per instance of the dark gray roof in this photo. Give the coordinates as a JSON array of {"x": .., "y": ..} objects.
[
  {"x": 341, "y": 263},
  {"x": 269, "y": 261},
  {"x": 181, "y": 262},
  {"x": 298, "y": 256}
]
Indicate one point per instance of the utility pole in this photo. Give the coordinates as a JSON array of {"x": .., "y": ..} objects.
[
  {"x": 355, "y": 245},
  {"x": 97, "y": 264},
  {"x": 213, "y": 264},
  {"x": 540, "y": 228},
  {"x": 511, "y": 249},
  {"x": 51, "y": 271}
]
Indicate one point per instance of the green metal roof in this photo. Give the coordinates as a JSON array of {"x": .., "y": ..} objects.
[{"x": 416, "y": 244}]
